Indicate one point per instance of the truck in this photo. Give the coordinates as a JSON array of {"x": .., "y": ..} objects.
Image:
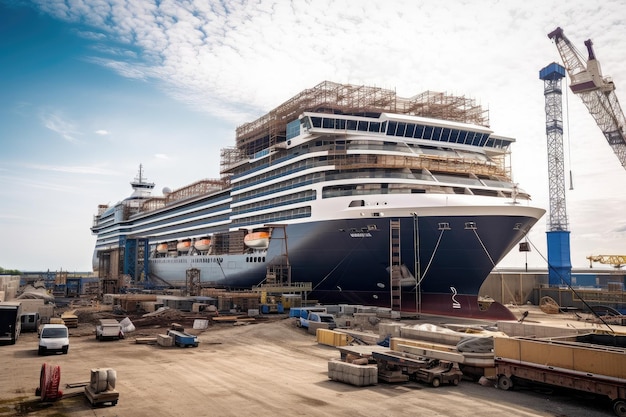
[
  {"x": 30, "y": 322},
  {"x": 401, "y": 366},
  {"x": 304, "y": 315},
  {"x": 109, "y": 329},
  {"x": 10, "y": 322},
  {"x": 182, "y": 339},
  {"x": 567, "y": 363}
]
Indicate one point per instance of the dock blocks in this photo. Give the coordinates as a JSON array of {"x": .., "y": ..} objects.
[{"x": 351, "y": 373}]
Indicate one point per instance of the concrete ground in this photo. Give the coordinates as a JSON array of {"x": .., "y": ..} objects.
[{"x": 270, "y": 368}]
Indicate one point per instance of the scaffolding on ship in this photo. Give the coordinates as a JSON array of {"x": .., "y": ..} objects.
[{"x": 330, "y": 97}]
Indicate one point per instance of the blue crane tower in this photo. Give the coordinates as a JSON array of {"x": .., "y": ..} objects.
[{"x": 558, "y": 235}]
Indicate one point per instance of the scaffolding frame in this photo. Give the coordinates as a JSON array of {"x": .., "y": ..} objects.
[
  {"x": 189, "y": 191},
  {"x": 330, "y": 97}
]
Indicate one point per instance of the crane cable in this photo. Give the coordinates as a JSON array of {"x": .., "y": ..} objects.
[
  {"x": 569, "y": 286},
  {"x": 569, "y": 146}
]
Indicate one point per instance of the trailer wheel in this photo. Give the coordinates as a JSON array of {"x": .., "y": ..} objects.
[
  {"x": 436, "y": 382},
  {"x": 505, "y": 383},
  {"x": 455, "y": 381},
  {"x": 619, "y": 407}
]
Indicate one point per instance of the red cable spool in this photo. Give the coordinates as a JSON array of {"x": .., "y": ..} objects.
[{"x": 49, "y": 382}]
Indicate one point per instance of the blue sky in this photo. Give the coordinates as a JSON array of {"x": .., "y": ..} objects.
[{"x": 91, "y": 89}]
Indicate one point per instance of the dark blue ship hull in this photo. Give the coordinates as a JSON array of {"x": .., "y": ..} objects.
[{"x": 348, "y": 261}]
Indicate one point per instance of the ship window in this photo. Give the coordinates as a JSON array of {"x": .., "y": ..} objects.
[
  {"x": 391, "y": 129},
  {"x": 293, "y": 129},
  {"x": 351, "y": 124},
  {"x": 401, "y": 129},
  {"x": 340, "y": 124},
  {"x": 317, "y": 121},
  {"x": 428, "y": 132},
  {"x": 410, "y": 131},
  {"x": 363, "y": 125},
  {"x": 445, "y": 135},
  {"x": 437, "y": 133},
  {"x": 462, "y": 136},
  {"x": 357, "y": 203},
  {"x": 374, "y": 127},
  {"x": 328, "y": 123},
  {"x": 419, "y": 132}
]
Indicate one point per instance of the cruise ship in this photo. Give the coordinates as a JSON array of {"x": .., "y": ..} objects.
[{"x": 372, "y": 198}]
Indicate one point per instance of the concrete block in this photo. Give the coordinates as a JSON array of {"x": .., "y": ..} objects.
[
  {"x": 358, "y": 375},
  {"x": 390, "y": 329},
  {"x": 165, "y": 340}
]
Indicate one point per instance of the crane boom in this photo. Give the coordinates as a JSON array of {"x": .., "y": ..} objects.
[
  {"x": 597, "y": 92},
  {"x": 617, "y": 261}
]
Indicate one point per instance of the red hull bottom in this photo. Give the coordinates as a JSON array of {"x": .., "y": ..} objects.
[{"x": 465, "y": 306}]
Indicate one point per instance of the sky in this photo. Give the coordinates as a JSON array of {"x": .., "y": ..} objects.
[{"x": 91, "y": 89}]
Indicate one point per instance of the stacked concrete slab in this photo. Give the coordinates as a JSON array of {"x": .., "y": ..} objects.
[
  {"x": 354, "y": 374},
  {"x": 165, "y": 340}
]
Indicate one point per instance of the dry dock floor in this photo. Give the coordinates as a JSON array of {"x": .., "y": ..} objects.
[{"x": 270, "y": 368}]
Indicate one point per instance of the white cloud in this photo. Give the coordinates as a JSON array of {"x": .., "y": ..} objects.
[
  {"x": 102, "y": 132},
  {"x": 96, "y": 170},
  {"x": 59, "y": 124}
]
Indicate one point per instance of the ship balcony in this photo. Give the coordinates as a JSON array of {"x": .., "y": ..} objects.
[{"x": 423, "y": 162}]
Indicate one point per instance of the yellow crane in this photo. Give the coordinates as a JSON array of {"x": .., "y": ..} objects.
[{"x": 617, "y": 261}]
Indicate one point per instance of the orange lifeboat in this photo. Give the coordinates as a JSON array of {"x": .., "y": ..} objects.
[
  {"x": 162, "y": 248},
  {"x": 183, "y": 245},
  {"x": 202, "y": 244},
  {"x": 257, "y": 240}
]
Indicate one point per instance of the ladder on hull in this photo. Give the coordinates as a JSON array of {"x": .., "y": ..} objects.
[{"x": 395, "y": 265}]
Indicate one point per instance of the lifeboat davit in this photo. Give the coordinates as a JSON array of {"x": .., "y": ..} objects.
[
  {"x": 162, "y": 248},
  {"x": 183, "y": 246},
  {"x": 257, "y": 240},
  {"x": 202, "y": 244}
]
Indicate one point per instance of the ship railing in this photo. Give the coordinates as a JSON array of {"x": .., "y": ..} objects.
[{"x": 293, "y": 287}]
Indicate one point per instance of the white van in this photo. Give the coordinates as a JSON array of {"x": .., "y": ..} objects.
[
  {"x": 109, "y": 329},
  {"x": 54, "y": 338}
]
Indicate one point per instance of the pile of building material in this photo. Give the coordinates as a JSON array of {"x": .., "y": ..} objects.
[
  {"x": 358, "y": 372},
  {"x": 70, "y": 319}
]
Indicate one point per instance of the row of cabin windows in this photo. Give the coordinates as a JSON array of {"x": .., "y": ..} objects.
[
  {"x": 284, "y": 200},
  {"x": 412, "y": 130},
  {"x": 296, "y": 213}
]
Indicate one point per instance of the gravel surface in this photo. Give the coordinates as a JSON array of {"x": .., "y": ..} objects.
[{"x": 265, "y": 368}]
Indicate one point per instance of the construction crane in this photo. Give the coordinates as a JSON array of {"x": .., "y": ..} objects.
[
  {"x": 617, "y": 261},
  {"x": 597, "y": 92}
]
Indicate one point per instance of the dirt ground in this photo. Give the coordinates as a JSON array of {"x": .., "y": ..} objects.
[{"x": 266, "y": 368}]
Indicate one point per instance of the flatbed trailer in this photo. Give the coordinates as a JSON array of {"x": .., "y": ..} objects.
[
  {"x": 590, "y": 368},
  {"x": 183, "y": 339},
  {"x": 400, "y": 366},
  {"x": 103, "y": 397}
]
